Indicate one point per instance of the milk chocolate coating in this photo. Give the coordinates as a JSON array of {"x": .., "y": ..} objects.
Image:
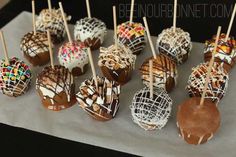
[
  {"x": 35, "y": 48},
  {"x": 102, "y": 102},
  {"x": 56, "y": 88},
  {"x": 197, "y": 124}
]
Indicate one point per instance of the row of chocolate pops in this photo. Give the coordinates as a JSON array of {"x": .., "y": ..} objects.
[{"x": 99, "y": 96}]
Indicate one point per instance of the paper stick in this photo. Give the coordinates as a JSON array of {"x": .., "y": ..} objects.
[
  {"x": 50, "y": 49},
  {"x": 151, "y": 78},
  {"x": 33, "y": 15},
  {"x": 50, "y": 6},
  {"x": 230, "y": 23},
  {"x": 210, "y": 67},
  {"x": 174, "y": 17},
  {"x": 115, "y": 25},
  {"x": 88, "y": 8},
  {"x": 149, "y": 37},
  {"x": 92, "y": 67},
  {"x": 131, "y": 12},
  {"x": 65, "y": 22},
  {"x": 4, "y": 47}
]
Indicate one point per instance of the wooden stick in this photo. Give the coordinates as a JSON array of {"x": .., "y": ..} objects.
[
  {"x": 151, "y": 78},
  {"x": 115, "y": 26},
  {"x": 33, "y": 15},
  {"x": 174, "y": 17},
  {"x": 210, "y": 67},
  {"x": 50, "y": 6},
  {"x": 4, "y": 47},
  {"x": 92, "y": 67},
  {"x": 50, "y": 49},
  {"x": 65, "y": 23},
  {"x": 149, "y": 37},
  {"x": 88, "y": 8},
  {"x": 231, "y": 23},
  {"x": 131, "y": 12}
]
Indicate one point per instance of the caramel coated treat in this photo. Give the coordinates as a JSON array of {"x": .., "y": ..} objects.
[{"x": 197, "y": 124}]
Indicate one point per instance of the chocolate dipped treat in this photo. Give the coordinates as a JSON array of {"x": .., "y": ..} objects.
[
  {"x": 102, "y": 102},
  {"x": 91, "y": 31},
  {"x": 225, "y": 53},
  {"x": 164, "y": 72},
  {"x": 52, "y": 21},
  {"x": 56, "y": 88},
  {"x": 175, "y": 44},
  {"x": 15, "y": 77},
  {"x": 217, "y": 86},
  {"x": 35, "y": 48},
  {"x": 74, "y": 57},
  {"x": 132, "y": 35},
  {"x": 117, "y": 64},
  {"x": 151, "y": 113},
  {"x": 197, "y": 124}
]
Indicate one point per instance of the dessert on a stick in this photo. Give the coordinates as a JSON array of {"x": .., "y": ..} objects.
[
  {"x": 116, "y": 62},
  {"x": 52, "y": 20},
  {"x": 151, "y": 107},
  {"x": 132, "y": 34},
  {"x": 34, "y": 45},
  {"x": 73, "y": 54},
  {"x": 164, "y": 69},
  {"x": 55, "y": 85},
  {"x": 226, "y": 51},
  {"x": 98, "y": 96},
  {"x": 174, "y": 42},
  {"x": 198, "y": 118},
  {"x": 15, "y": 75},
  {"x": 90, "y": 30}
]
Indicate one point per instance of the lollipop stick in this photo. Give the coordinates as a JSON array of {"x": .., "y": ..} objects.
[
  {"x": 33, "y": 15},
  {"x": 131, "y": 12},
  {"x": 115, "y": 25},
  {"x": 93, "y": 68},
  {"x": 230, "y": 23},
  {"x": 210, "y": 67},
  {"x": 50, "y": 49},
  {"x": 174, "y": 17},
  {"x": 149, "y": 37},
  {"x": 88, "y": 8},
  {"x": 65, "y": 22},
  {"x": 151, "y": 78},
  {"x": 50, "y": 6},
  {"x": 4, "y": 47}
]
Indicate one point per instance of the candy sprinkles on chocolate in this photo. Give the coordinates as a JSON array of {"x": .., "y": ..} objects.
[
  {"x": 132, "y": 35},
  {"x": 15, "y": 78}
]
